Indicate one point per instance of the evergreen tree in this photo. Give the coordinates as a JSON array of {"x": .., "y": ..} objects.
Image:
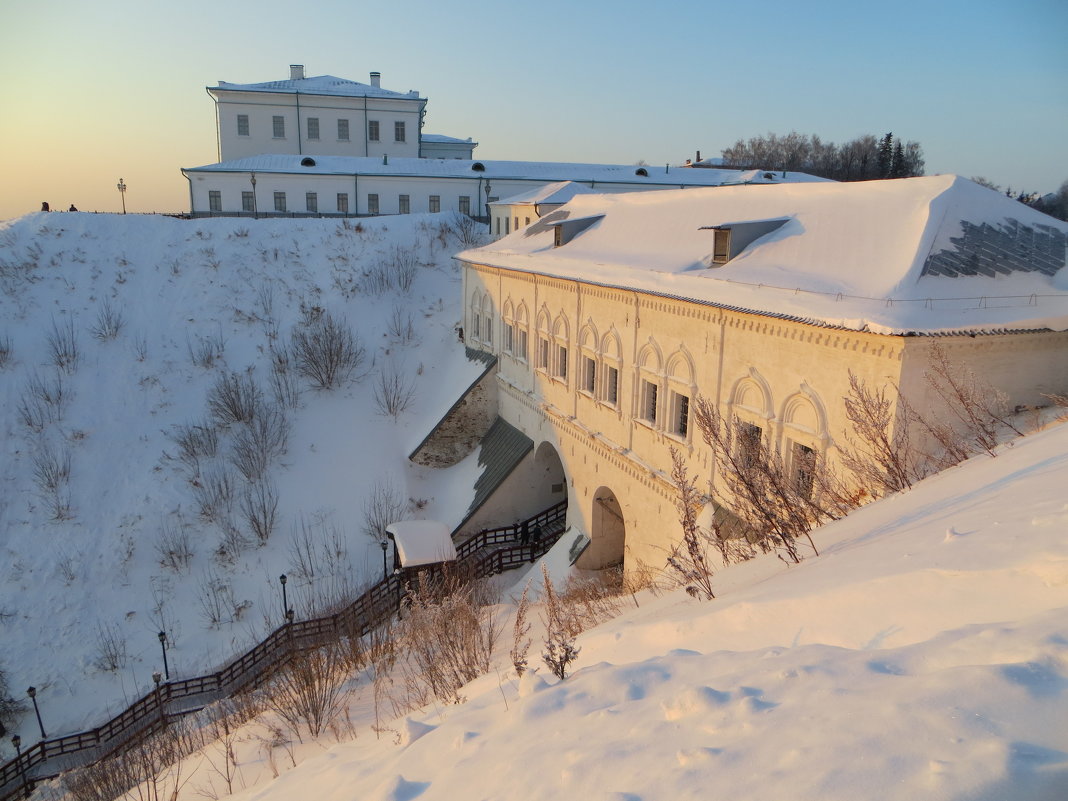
[
  {"x": 897, "y": 168},
  {"x": 885, "y": 163}
]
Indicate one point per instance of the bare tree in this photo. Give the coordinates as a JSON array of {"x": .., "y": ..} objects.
[
  {"x": 326, "y": 351},
  {"x": 560, "y": 649},
  {"x": 308, "y": 691},
  {"x": 383, "y": 505},
  {"x": 689, "y": 559}
]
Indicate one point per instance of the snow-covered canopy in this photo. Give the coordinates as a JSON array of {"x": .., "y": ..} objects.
[
  {"x": 910, "y": 255},
  {"x": 422, "y": 542},
  {"x": 317, "y": 85},
  {"x": 558, "y": 192},
  {"x": 492, "y": 170}
]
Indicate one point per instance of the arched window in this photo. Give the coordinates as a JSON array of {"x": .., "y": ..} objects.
[
  {"x": 521, "y": 330},
  {"x": 587, "y": 361},
  {"x": 561, "y": 340},
  {"x": 543, "y": 354},
  {"x": 751, "y": 412},
  {"x": 508, "y": 327},
  {"x": 649, "y": 377},
  {"x": 474, "y": 327},
  {"x": 611, "y": 365},
  {"x": 487, "y": 320},
  {"x": 804, "y": 437},
  {"x": 680, "y": 391}
]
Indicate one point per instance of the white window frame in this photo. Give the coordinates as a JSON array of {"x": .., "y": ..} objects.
[
  {"x": 214, "y": 200},
  {"x": 311, "y": 202},
  {"x": 372, "y": 131},
  {"x": 404, "y": 204},
  {"x": 280, "y": 202},
  {"x": 464, "y": 205},
  {"x": 649, "y": 402},
  {"x": 248, "y": 201},
  {"x": 434, "y": 204},
  {"x": 313, "y": 128},
  {"x": 343, "y": 202},
  {"x": 242, "y": 125},
  {"x": 610, "y": 384},
  {"x": 680, "y": 415},
  {"x": 588, "y": 374},
  {"x": 342, "y": 130},
  {"x": 372, "y": 203},
  {"x": 399, "y": 132},
  {"x": 278, "y": 126}
]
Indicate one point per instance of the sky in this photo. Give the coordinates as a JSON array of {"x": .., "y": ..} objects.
[{"x": 95, "y": 92}]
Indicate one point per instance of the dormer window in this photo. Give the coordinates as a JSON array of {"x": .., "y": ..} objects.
[
  {"x": 721, "y": 245},
  {"x": 307, "y": 161}
]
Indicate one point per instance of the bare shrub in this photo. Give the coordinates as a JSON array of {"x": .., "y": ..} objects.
[
  {"x": 5, "y": 351},
  {"x": 42, "y": 401},
  {"x": 205, "y": 351},
  {"x": 259, "y": 442},
  {"x": 284, "y": 384},
  {"x": 109, "y": 322},
  {"x": 235, "y": 398},
  {"x": 448, "y": 636},
  {"x": 308, "y": 692},
  {"x": 689, "y": 560},
  {"x": 63, "y": 345},
  {"x": 214, "y": 494},
  {"x": 51, "y": 473},
  {"x": 383, "y": 505},
  {"x": 174, "y": 547},
  {"x": 520, "y": 630},
  {"x": 466, "y": 230},
  {"x": 196, "y": 443},
  {"x": 259, "y": 506},
  {"x": 10, "y": 709},
  {"x": 140, "y": 345},
  {"x": 560, "y": 649},
  {"x": 395, "y": 270},
  {"x": 110, "y": 648},
  {"x": 217, "y": 602},
  {"x": 67, "y": 565},
  {"x": 326, "y": 351},
  {"x": 400, "y": 325},
  {"x": 393, "y": 390},
  {"x": 318, "y": 553}
]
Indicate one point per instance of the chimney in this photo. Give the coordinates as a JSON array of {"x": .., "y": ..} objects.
[
  {"x": 698, "y": 156},
  {"x": 376, "y": 80},
  {"x": 296, "y": 72}
]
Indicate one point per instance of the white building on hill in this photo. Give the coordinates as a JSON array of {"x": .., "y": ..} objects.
[
  {"x": 609, "y": 316},
  {"x": 330, "y": 146}
]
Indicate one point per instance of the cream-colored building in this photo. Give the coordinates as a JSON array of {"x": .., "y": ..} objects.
[{"x": 611, "y": 315}]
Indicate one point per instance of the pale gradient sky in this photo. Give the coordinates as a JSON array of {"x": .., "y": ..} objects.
[{"x": 95, "y": 91}]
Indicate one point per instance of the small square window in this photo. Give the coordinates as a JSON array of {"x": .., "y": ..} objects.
[
  {"x": 248, "y": 202},
  {"x": 343, "y": 130},
  {"x": 404, "y": 204},
  {"x": 343, "y": 202},
  {"x": 398, "y": 132},
  {"x": 372, "y": 204},
  {"x": 279, "y": 125},
  {"x": 279, "y": 201},
  {"x": 465, "y": 204},
  {"x": 214, "y": 200},
  {"x": 435, "y": 204},
  {"x": 311, "y": 200},
  {"x": 242, "y": 124},
  {"x": 372, "y": 130},
  {"x": 313, "y": 127}
]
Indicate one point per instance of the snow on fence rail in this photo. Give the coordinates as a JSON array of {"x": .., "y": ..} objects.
[{"x": 487, "y": 553}]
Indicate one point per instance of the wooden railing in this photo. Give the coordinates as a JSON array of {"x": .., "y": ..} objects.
[{"x": 486, "y": 553}]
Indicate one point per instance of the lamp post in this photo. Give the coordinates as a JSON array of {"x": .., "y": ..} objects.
[
  {"x": 163, "y": 645},
  {"x": 255, "y": 208},
  {"x": 285, "y": 601},
  {"x": 489, "y": 215},
  {"x": 17, "y": 742},
  {"x": 122, "y": 193},
  {"x": 385, "y": 570},
  {"x": 156, "y": 677},
  {"x": 32, "y": 692}
]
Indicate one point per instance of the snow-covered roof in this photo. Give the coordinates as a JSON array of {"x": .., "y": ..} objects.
[
  {"x": 317, "y": 85},
  {"x": 557, "y": 192},
  {"x": 932, "y": 254},
  {"x": 446, "y": 140},
  {"x": 518, "y": 170},
  {"x": 422, "y": 542}
]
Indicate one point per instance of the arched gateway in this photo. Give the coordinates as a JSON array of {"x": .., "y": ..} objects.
[{"x": 608, "y": 532}]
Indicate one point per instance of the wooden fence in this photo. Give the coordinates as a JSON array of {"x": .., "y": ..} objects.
[{"x": 485, "y": 554}]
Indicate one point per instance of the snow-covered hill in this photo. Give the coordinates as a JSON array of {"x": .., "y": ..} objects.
[{"x": 194, "y": 301}]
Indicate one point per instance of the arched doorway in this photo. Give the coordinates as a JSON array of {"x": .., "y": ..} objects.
[
  {"x": 608, "y": 532},
  {"x": 549, "y": 480}
]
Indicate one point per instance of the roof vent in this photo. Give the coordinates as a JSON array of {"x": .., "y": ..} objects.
[
  {"x": 376, "y": 80},
  {"x": 296, "y": 72},
  {"x": 644, "y": 173},
  {"x": 478, "y": 166},
  {"x": 307, "y": 161}
]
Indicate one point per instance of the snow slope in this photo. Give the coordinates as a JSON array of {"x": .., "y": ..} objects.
[{"x": 179, "y": 286}]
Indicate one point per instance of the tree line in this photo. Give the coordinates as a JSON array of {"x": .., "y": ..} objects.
[
  {"x": 1055, "y": 204},
  {"x": 865, "y": 158}
]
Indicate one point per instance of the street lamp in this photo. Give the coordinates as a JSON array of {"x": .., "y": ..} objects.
[
  {"x": 489, "y": 215},
  {"x": 385, "y": 570},
  {"x": 163, "y": 645},
  {"x": 156, "y": 677},
  {"x": 17, "y": 742},
  {"x": 285, "y": 602},
  {"x": 255, "y": 208},
  {"x": 122, "y": 193},
  {"x": 32, "y": 692}
]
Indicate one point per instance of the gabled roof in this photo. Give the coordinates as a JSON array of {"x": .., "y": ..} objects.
[
  {"x": 493, "y": 170},
  {"x": 557, "y": 192},
  {"x": 317, "y": 85},
  {"x": 933, "y": 254}
]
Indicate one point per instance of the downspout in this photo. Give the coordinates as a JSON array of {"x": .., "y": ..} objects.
[
  {"x": 218, "y": 129},
  {"x": 366, "y": 150},
  {"x": 356, "y": 194},
  {"x": 186, "y": 176},
  {"x": 422, "y": 114},
  {"x": 296, "y": 94},
  {"x": 478, "y": 202}
]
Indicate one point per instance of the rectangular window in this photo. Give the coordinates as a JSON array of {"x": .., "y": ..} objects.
[
  {"x": 465, "y": 204},
  {"x": 242, "y": 124},
  {"x": 589, "y": 374},
  {"x": 372, "y": 204},
  {"x": 248, "y": 203},
  {"x": 311, "y": 200},
  {"x": 498, "y": 226},
  {"x": 343, "y": 130},
  {"x": 526, "y": 221},
  {"x": 649, "y": 397},
  {"x": 214, "y": 200},
  {"x": 343, "y": 202},
  {"x": 487, "y": 329},
  {"x": 398, "y": 132},
  {"x": 279, "y": 125},
  {"x": 279, "y": 201},
  {"x": 749, "y": 444},
  {"x": 611, "y": 385},
  {"x": 435, "y": 204},
  {"x": 521, "y": 351},
  {"x": 405, "y": 204},
  {"x": 506, "y": 225},
  {"x": 543, "y": 353},
  {"x": 802, "y": 468},
  {"x": 313, "y": 127},
  {"x": 476, "y": 324},
  {"x": 561, "y": 362},
  {"x": 680, "y": 414},
  {"x": 372, "y": 130},
  {"x": 509, "y": 338},
  {"x": 516, "y": 226}
]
